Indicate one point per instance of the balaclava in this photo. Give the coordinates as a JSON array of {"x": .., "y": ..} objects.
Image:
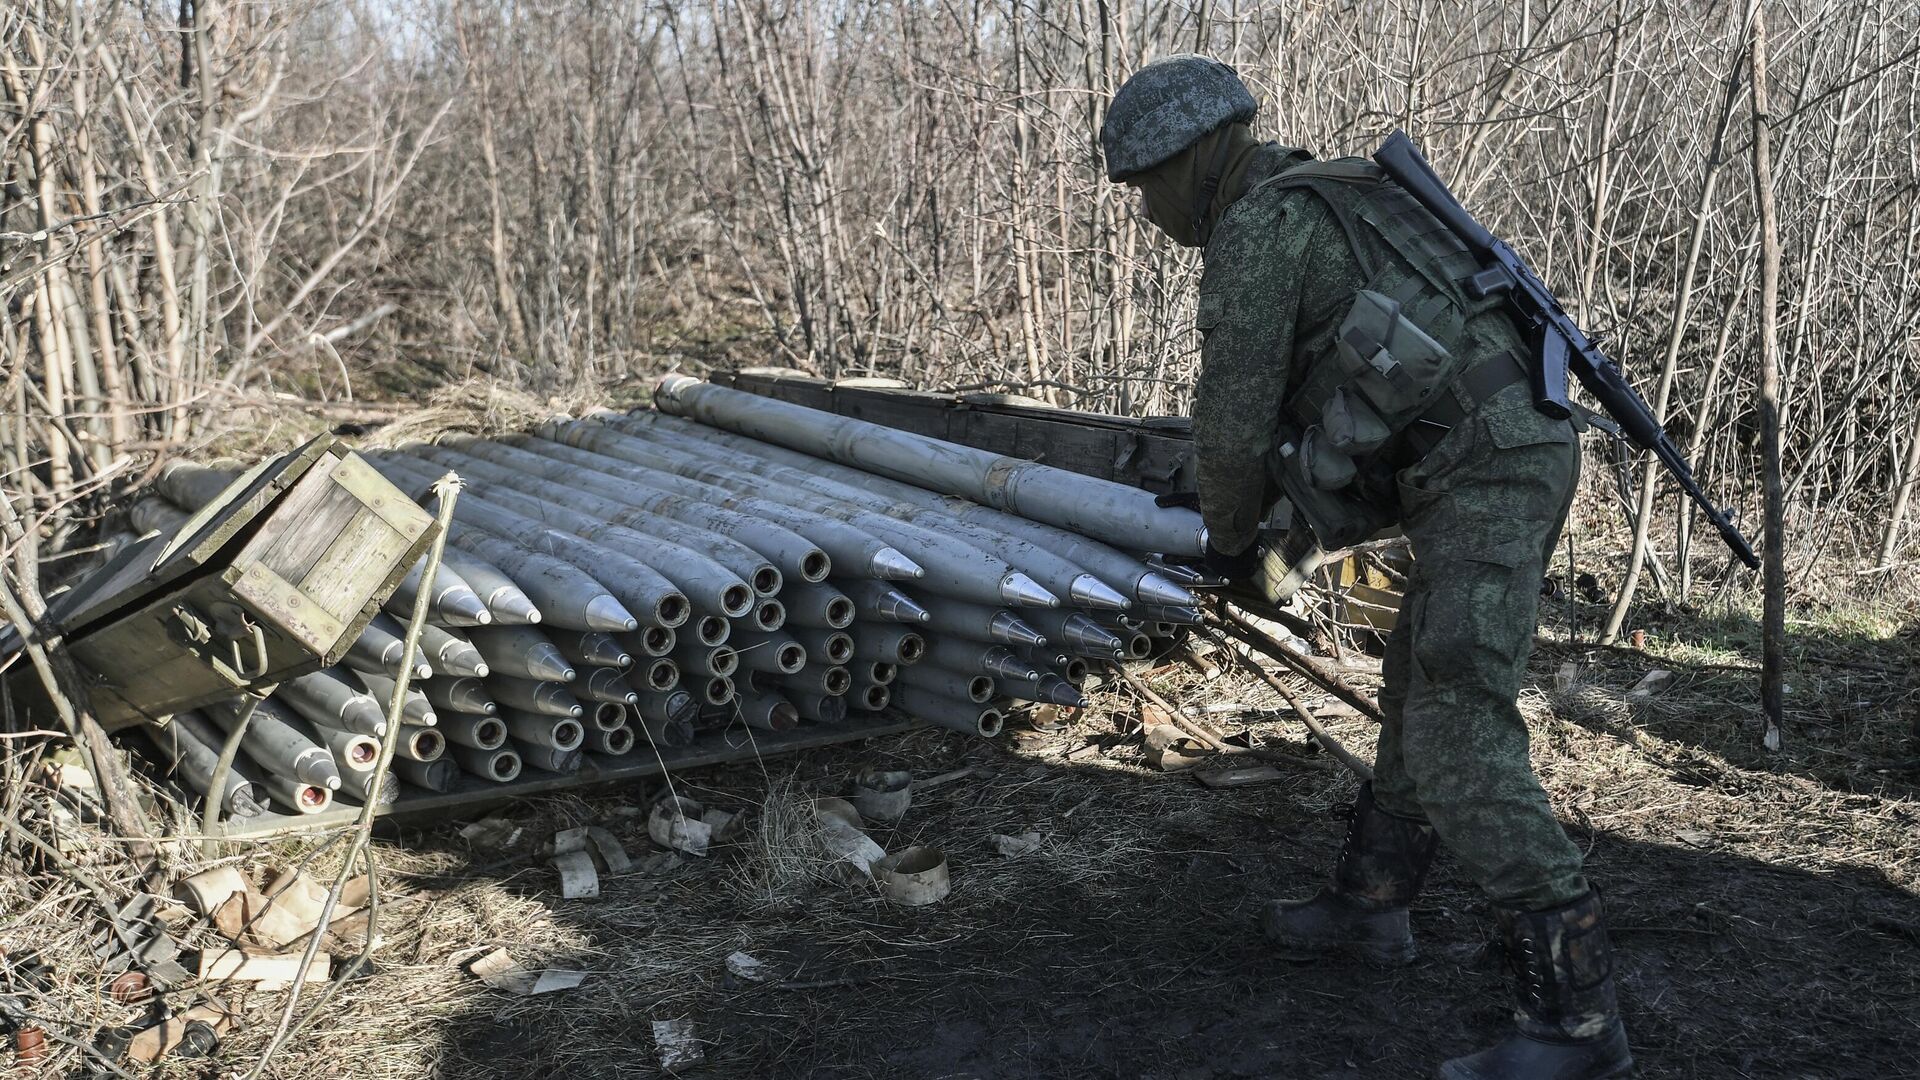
[{"x": 1176, "y": 195}]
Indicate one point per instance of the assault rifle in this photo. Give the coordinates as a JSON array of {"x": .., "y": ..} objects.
[{"x": 1559, "y": 345}]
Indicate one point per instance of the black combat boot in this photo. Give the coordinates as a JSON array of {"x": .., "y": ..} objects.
[
  {"x": 1364, "y": 912},
  {"x": 1569, "y": 1024}
]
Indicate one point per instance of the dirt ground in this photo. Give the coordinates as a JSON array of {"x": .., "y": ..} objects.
[{"x": 1766, "y": 906}]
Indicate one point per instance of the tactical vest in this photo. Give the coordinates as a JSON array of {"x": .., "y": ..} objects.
[{"x": 1368, "y": 373}]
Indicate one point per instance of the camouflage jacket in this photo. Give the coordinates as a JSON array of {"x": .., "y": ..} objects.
[
  {"x": 1276, "y": 259},
  {"x": 1279, "y": 267}
]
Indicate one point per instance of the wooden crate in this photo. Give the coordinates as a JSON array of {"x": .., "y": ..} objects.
[
  {"x": 275, "y": 578},
  {"x": 1366, "y": 602}
]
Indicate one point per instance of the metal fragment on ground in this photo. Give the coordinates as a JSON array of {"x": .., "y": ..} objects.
[
  {"x": 746, "y": 967},
  {"x": 882, "y": 794},
  {"x": 676, "y": 823},
  {"x": 579, "y": 878},
  {"x": 915, "y": 876},
  {"x": 840, "y": 831},
  {"x": 678, "y": 1042},
  {"x": 1013, "y": 847},
  {"x": 499, "y": 970}
]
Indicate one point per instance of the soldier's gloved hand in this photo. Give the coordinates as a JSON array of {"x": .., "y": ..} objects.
[
  {"x": 1183, "y": 500},
  {"x": 1231, "y": 568}
]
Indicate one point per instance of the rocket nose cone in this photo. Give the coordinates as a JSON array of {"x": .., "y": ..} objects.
[
  {"x": 1088, "y": 634},
  {"x": 548, "y": 664},
  {"x": 513, "y": 608},
  {"x": 463, "y": 607},
  {"x": 1154, "y": 588},
  {"x": 1059, "y": 691},
  {"x": 1020, "y": 590},
  {"x": 889, "y": 564},
  {"x": 1015, "y": 631},
  {"x": 608, "y": 615},
  {"x": 364, "y": 713},
  {"x": 1090, "y": 591},
  {"x": 905, "y": 610}
]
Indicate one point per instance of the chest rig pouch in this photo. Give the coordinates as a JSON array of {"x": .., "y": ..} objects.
[{"x": 1368, "y": 372}]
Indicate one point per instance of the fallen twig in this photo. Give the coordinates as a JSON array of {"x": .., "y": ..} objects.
[
  {"x": 1211, "y": 739},
  {"x": 1327, "y": 680}
]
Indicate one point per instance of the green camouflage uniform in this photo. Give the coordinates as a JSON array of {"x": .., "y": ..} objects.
[{"x": 1483, "y": 510}]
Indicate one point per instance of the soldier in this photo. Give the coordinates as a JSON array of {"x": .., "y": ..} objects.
[{"x": 1345, "y": 366}]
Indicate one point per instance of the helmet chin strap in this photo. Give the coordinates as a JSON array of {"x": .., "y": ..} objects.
[{"x": 1203, "y": 198}]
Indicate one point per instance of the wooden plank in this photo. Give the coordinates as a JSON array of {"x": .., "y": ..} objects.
[
  {"x": 305, "y": 628},
  {"x": 302, "y": 526},
  {"x": 336, "y": 582}
]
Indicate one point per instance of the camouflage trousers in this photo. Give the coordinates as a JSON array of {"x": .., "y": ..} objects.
[{"x": 1483, "y": 510}]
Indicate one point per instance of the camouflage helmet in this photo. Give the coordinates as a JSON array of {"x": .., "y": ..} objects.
[{"x": 1168, "y": 106}]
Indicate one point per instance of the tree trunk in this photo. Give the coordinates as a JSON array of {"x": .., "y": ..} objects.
[{"x": 1773, "y": 622}]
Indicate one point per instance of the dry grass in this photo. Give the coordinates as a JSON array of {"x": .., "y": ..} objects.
[
  {"x": 1767, "y": 904},
  {"x": 480, "y": 407}
]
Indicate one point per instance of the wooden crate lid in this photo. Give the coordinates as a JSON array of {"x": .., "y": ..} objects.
[{"x": 147, "y": 569}]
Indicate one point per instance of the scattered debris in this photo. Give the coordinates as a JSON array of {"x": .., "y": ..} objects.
[
  {"x": 29, "y": 1046},
  {"x": 498, "y": 969},
  {"x": 723, "y": 827},
  {"x": 883, "y": 795},
  {"x": 915, "y": 876},
  {"x": 1171, "y": 749},
  {"x": 579, "y": 878},
  {"x": 1015, "y": 846},
  {"x": 494, "y": 833},
  {"x": 611, "y": 853},
  {"x": 840, "y": 831},
  {"x": 207, "y": 890},
  {"x": 1239, "y": 776},
  {"x": 580, "y": 853},
  {"x": 1564, "y": 678},
  {"x": 130, "y": 988},
  {"x": 1651, "y": 683},
  {"x": 742, "y": 966},
  {"x": 677, "y": 823},
  {"x": 1152, "y": 714},
  {"x": 197, "y": 1031},
  {"x": 679, "y": 1044},
  {"x": 240, "y": 965},
  {"x": 136, "y": 937},
  {"x": 1051, "y": 719}
]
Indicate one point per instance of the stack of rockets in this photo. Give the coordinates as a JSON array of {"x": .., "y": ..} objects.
[{"x": 638, "y": 580}]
